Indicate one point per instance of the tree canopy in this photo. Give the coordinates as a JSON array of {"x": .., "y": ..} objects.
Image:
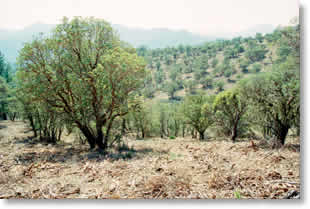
[{"x": 85, "y": 72}]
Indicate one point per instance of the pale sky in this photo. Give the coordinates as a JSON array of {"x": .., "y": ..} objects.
[{"x": 199, "y": 16}]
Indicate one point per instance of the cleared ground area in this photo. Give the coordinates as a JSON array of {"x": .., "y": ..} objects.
[{"x": 151, "y": 168}]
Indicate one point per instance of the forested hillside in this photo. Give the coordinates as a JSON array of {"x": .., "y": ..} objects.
[
  {"x": 261, "y": 74},
  {"x": 211, "y": 67}
]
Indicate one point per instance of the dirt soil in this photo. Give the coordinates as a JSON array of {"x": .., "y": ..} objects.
[{"x": 151, "y": 168}]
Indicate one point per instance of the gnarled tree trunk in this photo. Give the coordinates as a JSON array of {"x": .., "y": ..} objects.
[
  {"x": 234, "y": 132},
  {"x": 201, "y": 135},
  {"x": 89, "y": 136}
]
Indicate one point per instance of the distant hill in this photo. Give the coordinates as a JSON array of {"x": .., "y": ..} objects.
[
  {"x": 160, "y": 37},
  {"x": 12, "y": 40}
]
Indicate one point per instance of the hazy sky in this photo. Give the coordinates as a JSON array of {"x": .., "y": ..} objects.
[{"x": 201, "y": 16}]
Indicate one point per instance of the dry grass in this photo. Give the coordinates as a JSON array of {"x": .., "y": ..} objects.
[{"x": 153, "y": 168}]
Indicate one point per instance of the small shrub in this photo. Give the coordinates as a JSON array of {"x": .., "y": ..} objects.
[
  {"x": 239, "y": 76},
  {"x": 237, "y": 195}
]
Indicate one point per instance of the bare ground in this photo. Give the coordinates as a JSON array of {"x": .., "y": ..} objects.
[{"x": 152, "y": 168}]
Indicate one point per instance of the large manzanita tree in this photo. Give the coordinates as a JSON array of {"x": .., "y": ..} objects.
[
  {"x": 275, "y": 99},
  {"x": 84, "y": 71}
]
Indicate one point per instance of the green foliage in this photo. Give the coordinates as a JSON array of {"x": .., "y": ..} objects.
[
  {"x": 239, "y": 76},
  {"x": 188, "y": 50},
  {"x": 149, "y": 91},
  {"x": 256, "y": 67},
  {"x": 275, "y": 98},
  {"x": 244, "y": 64},
  {"x": 3, "y": 88},
  {"x": 289, "y": 44},
  {"x": 190, "y": 86},
  {"x": 207, "y": 82},
  {"x": 171, "y": 88},
  {"x": 219, "y": 70},
  {"x": 173, "y": 73},
  {"x": 219, "y": 85},
  {"x": 204, "y": 62},
  {"x": 237, "y": 194},
  {"x": 89, "y": 75},
  {"x": 142, "y": 121},
  {"x": 230, "y": 107},
  {"x": 159, "y": 76},
  {"x": 259, "y": 37},
  {"x": 83, "y": 78},
  {"x": 188, "y": 69},
  {"x": 198, "y": 74},
  {"x": 158, "y": 65},
  {"x": 197, "y": 110},
  {"x": 228, "y": 73},
  {"x": 181, "y": 48},
  {"x": 255, "y": 52},
  {"x": 3, "y": 98},
  {"x": 4, "y": 68},
  {"x": 142, "y": 51},
  {"x": 7, "y": 101},
  {"x": 167, "y": 119},
  {"x": 232, "y": 52},
  {"x": 214, "y": 62}
]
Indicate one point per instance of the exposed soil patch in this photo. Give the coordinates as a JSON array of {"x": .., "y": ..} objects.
[{"x": 153, "y": 168}]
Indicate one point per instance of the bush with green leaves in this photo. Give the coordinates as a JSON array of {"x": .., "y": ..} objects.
[
  {"x": 159, "y": 76},
  {"x": 259, "y": 37},
  {"x": 173, "y": 73},
  {"x": 228, "y": 73},
  {"x": 167, "y": 119},
  {"x": 3, "y": 99},
  {"x": 255, "y": 53},
  {"x": 149, "y": 91},
  {"x": 198, "y": 74},
  {"x": 207, "y": 82},
  {"x": 214, "y": 62},
  {"x": 244, "y": 64},
  {"x": 158, "y": 65},
  {"x": 190, "y": 86},
  {"x": 256, "y": 67},
  {"x": 142, "y": 120},
  {"x": 239, "y": 76},
  {"x": 171, "y": 88},
  {"x": 198, "y": 113},
  {"x": 6, "y": 87},
  {"x": 219, "y": 85},
  {"x": 230, "y": 107}
]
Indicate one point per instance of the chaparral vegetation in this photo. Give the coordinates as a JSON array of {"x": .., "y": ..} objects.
[{"x": 84, "y": 114}]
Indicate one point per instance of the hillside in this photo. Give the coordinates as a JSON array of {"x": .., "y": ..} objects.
[{"x": 211, "y": 67}]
